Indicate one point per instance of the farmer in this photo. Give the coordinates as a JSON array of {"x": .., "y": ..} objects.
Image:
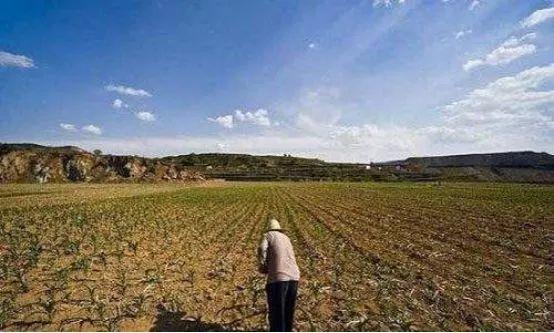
[{"x": 276, "y": 258}]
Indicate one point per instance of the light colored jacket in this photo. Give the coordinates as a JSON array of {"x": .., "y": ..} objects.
[{"x": 276, "y": 258}]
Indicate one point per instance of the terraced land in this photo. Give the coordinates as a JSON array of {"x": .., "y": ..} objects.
[{"x": 373, "y": 256}]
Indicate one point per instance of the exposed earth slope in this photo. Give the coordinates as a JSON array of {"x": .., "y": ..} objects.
[{"x": 34, "y": 163}]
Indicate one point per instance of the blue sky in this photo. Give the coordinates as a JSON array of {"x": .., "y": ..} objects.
[{"x": 340, "y": 80}]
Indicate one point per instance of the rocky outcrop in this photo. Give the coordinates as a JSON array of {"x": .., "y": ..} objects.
[{"x": 32, "y": 163}]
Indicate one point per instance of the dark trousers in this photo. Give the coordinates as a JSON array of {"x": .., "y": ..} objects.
[{"x": 281, "y": 299}]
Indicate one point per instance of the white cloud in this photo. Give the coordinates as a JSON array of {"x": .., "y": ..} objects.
[
  {"x": 537, "y": 17},
  {"x": 145, "y": 116},
  {"x": 504, "y": 55},
  {"x": 239, "y": 115},
  {"x": 312, "y": 45},
  {"x": 142, "y": 115},
  {"x": 506, "y": 110},
  {"x": 171, "y": 145},
  {"x": 68, "y": 127},
  {"x": 377, "y": 138},
  {"x": 118, "y": 104},
  {"x": 87, "y": 129},
  {"x": 448, "y": 135},
  {"x": 128, "y": 90},
  {"x": 92, "y": 129},
  {"x": 474, "y": 4},
  {"x": 320, "y": 110},
  {"x": 511, "y": 113},
  {"x": 386, "y": 3},
  {"x": 506, "y": 95},
  {"x": 14, "y": 60},
  {"x": 512, "y": 49},
  {"x": 471, "y": 64},
  {"x": 225, "y": 121},
  {"x": 462, "y": 33},
  {"x": 259, "y": 117},
  {"x": 513, "y": 41}
]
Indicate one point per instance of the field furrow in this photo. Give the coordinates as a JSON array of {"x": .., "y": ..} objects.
[{"x": 372, "y": 256}]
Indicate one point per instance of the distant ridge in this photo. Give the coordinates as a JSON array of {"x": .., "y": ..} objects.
[
  {"x": 505, "y": 159},
  {"x": 28, "y": 162},
  {"x": 8, "y": 147}
]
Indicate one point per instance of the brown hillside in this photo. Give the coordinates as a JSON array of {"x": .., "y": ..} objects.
[{"x": 32, "y": 163}]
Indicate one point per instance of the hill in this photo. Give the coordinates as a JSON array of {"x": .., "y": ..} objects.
[
  {"x": 525, "y": 166},
  {"x": 510, "y": 166},
  {"x": 36, "y": 163},
  {"x": 510, "y": 159}
]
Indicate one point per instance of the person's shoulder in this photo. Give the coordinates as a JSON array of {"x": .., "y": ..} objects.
[
  {"x": 280, "y": 234},
  {"x": 273, "y": 234}
]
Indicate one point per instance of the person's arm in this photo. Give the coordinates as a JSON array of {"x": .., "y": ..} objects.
[{"x": 262, "y": 255}]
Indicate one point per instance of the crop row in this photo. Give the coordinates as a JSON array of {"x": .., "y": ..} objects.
[{"x": 372, "y": 256}]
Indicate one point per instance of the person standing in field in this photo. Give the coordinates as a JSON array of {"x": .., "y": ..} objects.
[{"x": 276, "y": 259}]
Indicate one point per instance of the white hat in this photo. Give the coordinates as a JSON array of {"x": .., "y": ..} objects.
[{"x": 273, "y": 225}]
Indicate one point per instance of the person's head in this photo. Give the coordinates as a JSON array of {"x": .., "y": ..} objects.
[{"x": 273, "y": 225}]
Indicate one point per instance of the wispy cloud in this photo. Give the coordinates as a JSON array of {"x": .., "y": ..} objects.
[
  {"x": 510, "y": 50},
  {"x": 386, "y": 3},
  {"x": 224, "y": 121},
  {"x": 145, "y": 116},
  {"x": 68, "y": 127},
  {"x": 338, "y": 124},
  {"x": 128, "y": 90},
  {"x": 92, "y": 129},
  {"x": 474, "y": 4},
  {"x": 462, "y": 33},
  {"x": 538, "y": 17},
  {"x": 510, "y": 113},
  {"x": 509, "y": 97},
  {"x": 15, "y": 60},
  {"x": 509, "y": 108}
]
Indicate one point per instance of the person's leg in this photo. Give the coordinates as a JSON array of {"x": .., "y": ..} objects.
[
  {"x": 290, "y": 304},
  {"x": 276, "y": 293}
]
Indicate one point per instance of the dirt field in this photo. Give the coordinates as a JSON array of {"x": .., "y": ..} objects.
[{"x": 372, "y": 256}]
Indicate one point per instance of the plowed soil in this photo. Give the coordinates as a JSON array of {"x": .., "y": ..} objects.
[{"x": 372, "y": 256}]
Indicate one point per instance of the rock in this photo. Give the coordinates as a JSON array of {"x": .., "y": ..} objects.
[{"x": 33, "y": 163}]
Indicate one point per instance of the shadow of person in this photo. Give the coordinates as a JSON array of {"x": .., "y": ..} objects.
[{"x": 177, "y": 321}]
